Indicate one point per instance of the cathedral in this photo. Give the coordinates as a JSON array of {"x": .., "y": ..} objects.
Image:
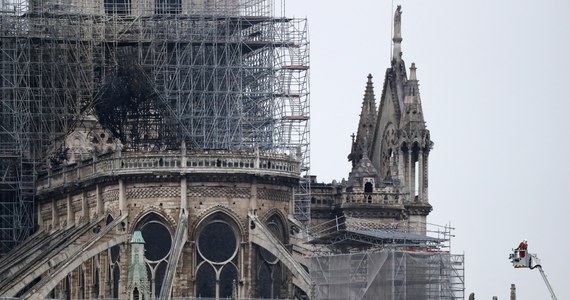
[{"x": 184, "y": 173}]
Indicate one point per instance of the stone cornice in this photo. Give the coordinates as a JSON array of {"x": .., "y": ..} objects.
[
  {"x": 394, "y": 213},
  {"x": 418, "y": 208}
]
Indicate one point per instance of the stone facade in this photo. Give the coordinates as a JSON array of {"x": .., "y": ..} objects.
[{"x": 147, "y": 193}]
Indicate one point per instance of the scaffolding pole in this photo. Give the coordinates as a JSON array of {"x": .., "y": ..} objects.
[{"x": 224, "y": 74}]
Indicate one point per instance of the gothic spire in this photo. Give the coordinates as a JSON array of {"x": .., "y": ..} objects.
[{"x": 365, "y": 132}]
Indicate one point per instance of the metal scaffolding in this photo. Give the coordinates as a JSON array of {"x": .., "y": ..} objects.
[
  {"x": 222, "y": 74},
  {"x": 388, "y": 275},
  {"x": 359, "y": 259},
  {"x": 368, "y": 260}
]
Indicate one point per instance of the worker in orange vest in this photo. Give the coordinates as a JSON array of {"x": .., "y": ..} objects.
[{"x": 523, "y": 246}]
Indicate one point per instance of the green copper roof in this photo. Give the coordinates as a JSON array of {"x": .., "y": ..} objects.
[{"x": 137, "y": 238}]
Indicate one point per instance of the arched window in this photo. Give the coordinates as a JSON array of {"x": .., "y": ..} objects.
[
  {"x": 158, "y": 245},
  {"x": 67, "y": 288},
  {"x": 81, "y": 275},
  {"x": 217, "y": 257},
  {"x": 96, "y": 283},
  {"x": 269, "y": 270},
  {"x": 118, "y": 7},
  {"x": 114, "y": 271}
]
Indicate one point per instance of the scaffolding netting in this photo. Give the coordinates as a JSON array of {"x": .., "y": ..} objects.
[{"x": 388, "y": 275}]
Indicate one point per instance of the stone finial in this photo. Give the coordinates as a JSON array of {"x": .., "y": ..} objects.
[
  {"x": 413, "y": 72},
  {"x": 513, "y": 292}
]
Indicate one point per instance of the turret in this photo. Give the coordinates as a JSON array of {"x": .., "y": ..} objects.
[
  {"x": 416, "y": 145},
  {"x": 138, "y": 285},
  {"x": 416, "y": 140}
]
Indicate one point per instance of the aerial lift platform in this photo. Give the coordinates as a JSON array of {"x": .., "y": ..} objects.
[{"x": 521, "y": 258}]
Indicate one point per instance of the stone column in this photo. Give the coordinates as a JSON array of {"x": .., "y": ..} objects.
[
  {"x": 191, "y": 250},
  {"x": 426, "y": 176},
  {"x": 88, "y": 283},
  {"x": 183, "y": 152},
  {"x": 54, "y": 214},
  {"x": 241, "y": 289},
  {"x": 184, "y": 193},
  {"x": 513, "y": 292},
  {"x": 124, "y": 269},
  {"x": 292, "y": 202},
  {"x": 253, "y": 196},
  {"x": 420, "y": 175},
  {"x": 39, "y": 214},
  {"x": 104, "y": 276},
  {"x": 84, "y": 207},
  {"x": 401, "y": 167},
  {"x": 122, "y": 197},
  {"x": 100, "y": 207},
  {"x": 70, "y": 214},
  {"x": 411, "y": 176}
]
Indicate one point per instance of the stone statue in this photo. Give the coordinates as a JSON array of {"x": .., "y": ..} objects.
[
  {"x": 398, "y": 22},
  {"x": 397, "y": 38}
]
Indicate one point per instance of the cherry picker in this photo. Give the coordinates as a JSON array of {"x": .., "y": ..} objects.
[{"x": 520, "y": 258}]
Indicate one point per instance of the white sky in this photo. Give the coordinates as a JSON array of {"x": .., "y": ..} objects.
[{"x": 494, "y": 86}]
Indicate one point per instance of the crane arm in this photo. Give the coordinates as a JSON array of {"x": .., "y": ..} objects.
[{"x": 545, "y": 281}]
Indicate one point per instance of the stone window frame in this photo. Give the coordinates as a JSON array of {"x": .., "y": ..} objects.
[
  {"x": 202, "y": 263},
  {"x": 154, "y": 267},
  {"x": 272, "y": 265}
]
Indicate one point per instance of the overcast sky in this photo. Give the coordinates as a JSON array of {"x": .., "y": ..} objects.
[{"x": 494, "y": 87}]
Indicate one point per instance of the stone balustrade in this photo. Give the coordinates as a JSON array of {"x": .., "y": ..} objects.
[
  {"x": 194, "y": 162},
  {"x": 374, "y": 198}
]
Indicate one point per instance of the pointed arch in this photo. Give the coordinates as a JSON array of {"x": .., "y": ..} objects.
[
  {"x": 109, "y": 218},
  {"x": 268, "y": 268},
  {"x": 282, "y": 219},
  {"x": 157, "y": 229},
  {"x": 148, "y": 213},
  {"x": 218, "y": 235},
  {"x": 227, "y": 212}
]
